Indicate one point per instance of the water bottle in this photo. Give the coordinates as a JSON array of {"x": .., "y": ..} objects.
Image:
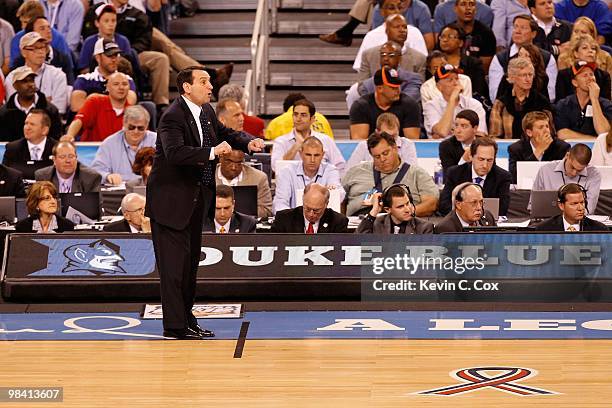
[{"x": 439, "y": 175}]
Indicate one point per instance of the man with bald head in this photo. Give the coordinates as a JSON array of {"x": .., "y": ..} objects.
[
  {"x": 397, "y": 30},
  {"x": 313, "y": 217},
  {"x": 101, "y": 115},
  {"x": 232, "y": 171},
  {"x": 468, "y": 210},
  {"x": 310, "y": 169},
  {"x": 134, "y": 220},
  {"x": 67, "y": 174}
]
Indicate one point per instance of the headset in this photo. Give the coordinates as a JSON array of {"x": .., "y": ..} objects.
[
  {"x": 459, "y": 198},
  {"x": 386, "y": 196},
  {"x": 563, "y": 192}
]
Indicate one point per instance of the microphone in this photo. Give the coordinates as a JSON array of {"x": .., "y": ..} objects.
[{"x": 483, "y": 220}]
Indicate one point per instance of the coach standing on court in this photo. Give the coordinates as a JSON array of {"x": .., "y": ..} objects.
[{"x": 181, "y": 190}]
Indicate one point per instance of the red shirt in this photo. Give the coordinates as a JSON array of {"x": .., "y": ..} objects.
[
  {"x": 99, "y": 119},
  {"x": 253, "y": 125},
  {"x": 2, "y": 93}
]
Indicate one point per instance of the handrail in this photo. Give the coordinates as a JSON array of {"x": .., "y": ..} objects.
[{"x": 256, "y": 78}]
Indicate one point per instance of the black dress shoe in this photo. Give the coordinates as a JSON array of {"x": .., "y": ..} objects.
[
  {"x": 183, "y": 334},
  {"x": 202, "y": 332},
  {"x": 333, "y": 38}
]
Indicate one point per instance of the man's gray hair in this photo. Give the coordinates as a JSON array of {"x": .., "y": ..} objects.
[
  {"x": 130, "y": 198},
  {"x": 135, "y": 112},
  {"x": 231, "y": 91}
]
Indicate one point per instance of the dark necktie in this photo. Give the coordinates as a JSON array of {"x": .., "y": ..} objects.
[
  {"x": 208, "y": 171},
  {"x": 478, "y": 180}
]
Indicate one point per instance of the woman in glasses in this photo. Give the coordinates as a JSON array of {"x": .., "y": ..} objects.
[{"x": 42, "y": 209}]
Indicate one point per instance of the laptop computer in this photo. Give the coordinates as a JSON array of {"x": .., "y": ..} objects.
[
  {"x": 7, "y": 209},
  {"x": 28, "y": 168},
  {"x": 544, "y": 204},
  {"x": 246, "y": 199},
  {"x": 492, "y": 205},
  {"x": 142, "y": 190},
  {"x": 86, "y": 203},
  {"x": 526, "y": 172}
]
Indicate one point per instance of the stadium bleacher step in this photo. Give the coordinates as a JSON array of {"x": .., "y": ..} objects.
[
  {"x": 344, "y": 5},
  {"x": 310, "y": 49},
  {"x": 215, "y": 24},
  {"x": 328, "y": 102},
  {"x": 214, "y": 5},
  {"x": 312, "y": 23},
  {"x": 210, "y": 50},
  {"x": 311, "y": 75}
]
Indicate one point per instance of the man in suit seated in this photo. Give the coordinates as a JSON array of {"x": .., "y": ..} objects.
[
  {"x": 309, "y": 169},
  {"x": 134, "y": 220},
  {"x": 232, "y": 171},
  {"x": 226, "y": 219},
  {"x": 468, "y": 210},
  {"x": 537, "y": 143},
  {"x": 11, "y": 182},
  {"x": 572, "y": 203},
  {"x": 67, "y": 174},
  {"x": 311, "y": 218},
  {"x": 400, "y": 217},
  {"x": 35, "y": 146},
  {"x": 494, "y": 180},
  {"x": 456, "y": 149}
]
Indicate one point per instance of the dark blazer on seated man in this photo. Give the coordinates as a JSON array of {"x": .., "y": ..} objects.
[
  {"x": 240, "y": 223},
  {"x": 292, "y": 221},
  {"x": 496, "y": 185},
  {"x": 522, "y": 151},
  {"x": 11, "y": 182},
  {"x": 451, "y": 223},
  {"x": 18, "y": 153},
  {"x": 85, "y": 180},
  {"x": 382, "y": 225},
  {"x": 556, "y": 224},
  {"x": 450, "y": 151},
  {"x": 118, "y": 226}
]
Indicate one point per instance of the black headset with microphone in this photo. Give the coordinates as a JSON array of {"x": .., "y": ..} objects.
[
  {"x": 459, "y": 197},
  {"x": 387, "y": 199}
]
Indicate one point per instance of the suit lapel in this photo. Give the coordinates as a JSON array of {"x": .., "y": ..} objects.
[
  {"x": 195, "y": 134},
  {"x": 234, "y": 223},
  {"x": 299, "y": 218}
]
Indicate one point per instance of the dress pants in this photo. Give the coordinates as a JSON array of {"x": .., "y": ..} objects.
[
  {"x": 179, "y": 60},
  {"x": 178, "y": 254},
  {"x": 157, "y": 66},
  {"x": 362, "y": 10}
]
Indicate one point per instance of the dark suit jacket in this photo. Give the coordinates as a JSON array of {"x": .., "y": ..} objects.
[
  {"x": 26, "y": 224},
  {"x": 450, "y": 151},
  {"x": 496, "y": 185},
  {"x": 175, "y": 180},
  {"x": 382, "y": 225},
  {"x": 17, "y": 153},
  {"x": 556, "y": 224},
  {"x": 451, "y": 223},
  {"x": 11, "y": 182},
  {"x": 240, "y": 223},
  {"x": 292, "y": 221},
  {"x": 522, "y": 151},
  {"x": 85, "y": 180},
  {"x": 12, "y": 119},
  {"x": 118, "y": 226}
]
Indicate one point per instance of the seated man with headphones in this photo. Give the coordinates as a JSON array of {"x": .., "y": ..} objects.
[
  {"x": 572, "y": 201},
  {"x": 467, "y": 210},
  {"x": 396, "y": 200}
]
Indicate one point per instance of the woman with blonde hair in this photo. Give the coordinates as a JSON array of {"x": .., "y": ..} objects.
[
  {"x": 584, "y": 26},
  {"x": 602, "y": 150},
  {"x": 42, "y": 208}
]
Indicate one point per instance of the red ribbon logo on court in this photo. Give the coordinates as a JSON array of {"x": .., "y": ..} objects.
[{"x": 504, "y": 379}]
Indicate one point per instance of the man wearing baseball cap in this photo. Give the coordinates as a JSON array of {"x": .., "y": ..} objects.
[
  {"x": 26, "y": 98},
  {"x": 439, "y": 113},
  {"x": 106, "y": 54},
  {"x": 386, "y": 98},
  {"x": 585, "y": 114},
  {"x": 49, "y": 80}
]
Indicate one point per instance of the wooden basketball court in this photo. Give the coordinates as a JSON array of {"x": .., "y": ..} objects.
[{"x": 305, "y": 372}]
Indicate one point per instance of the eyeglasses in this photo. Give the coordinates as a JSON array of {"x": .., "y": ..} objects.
[
  {"x": 39, "y": 48},
  {"x": 47, "y": 198},
  {"x": 314, "y": 211},
  {"x": 390, "y": 54},
  {"x": 141, "y": 209},
  {"x": 138, "y": 128}
]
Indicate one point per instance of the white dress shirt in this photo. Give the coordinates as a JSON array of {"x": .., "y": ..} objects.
[
  {"x": 41, "y": 149},
  {"x": 195, "y": 111}
]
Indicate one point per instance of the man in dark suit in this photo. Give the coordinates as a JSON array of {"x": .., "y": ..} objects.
[
  {"x": 468, "y": 210},
  {"x": 180, "y": 191},
  {"x": 227, "y": 220},
  {"x": 456, "y": 149},
  {"x": 537, "y": 143},
  {"x": 313, "y": 217},
  {"x": 134, "y": 220},
  {"x": 67, "y": 174},
  {"x": 34, "y": 150},
  {"x": 400, "y": 217},
  {"x": 11, "y": 182},
  {"x": 572, "y": 203},
  {"x": 494, "y": 180}
]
